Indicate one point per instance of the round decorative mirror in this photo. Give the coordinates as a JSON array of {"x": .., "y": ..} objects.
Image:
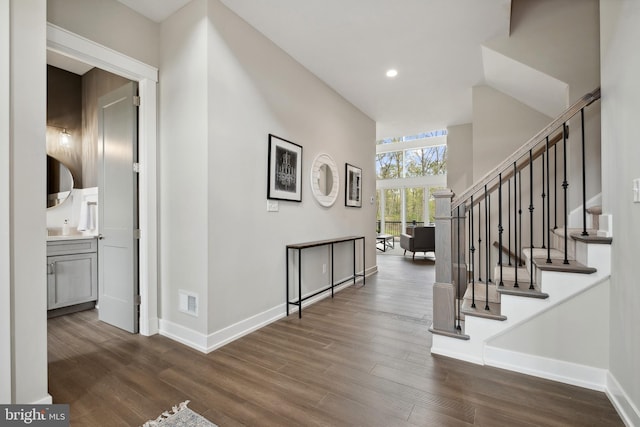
[
  {"x": 59, "y": 182},
  {"x": 324, "y": 180}
]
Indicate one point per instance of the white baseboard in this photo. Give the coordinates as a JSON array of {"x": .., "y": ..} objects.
[
  {"x": 625, "y": 407},
  {"x": 543, "y": 367},
  {"x": 47, "y": 400},
  {"x": 151, "y": 327},
  {"x": 208, "y": 343},
  {"x": 183, "y": 335}
]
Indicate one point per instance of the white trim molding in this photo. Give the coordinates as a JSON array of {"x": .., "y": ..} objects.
[
  {"x": 5, "y": 196},
  {"x": 74, "y": 46},
  {"x": 621, "y": 401},
  {"x": 543, "y": 367}
]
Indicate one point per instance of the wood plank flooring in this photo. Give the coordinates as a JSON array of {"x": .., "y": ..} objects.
[{"x": 359, "y": 359}]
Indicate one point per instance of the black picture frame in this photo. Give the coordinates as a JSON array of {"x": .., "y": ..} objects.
[
  {"x": 284, "y": 170},
  {"x": 353, "y": 186}
]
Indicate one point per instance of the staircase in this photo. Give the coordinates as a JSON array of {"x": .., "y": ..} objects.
[{"x": 536, "y": 261}]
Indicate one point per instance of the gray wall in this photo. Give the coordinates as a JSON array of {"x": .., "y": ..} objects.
[
  {"x": 620, "y": 154},
  {"x": 460, "y": 157},
  {"x": 218, "y": 240},
  {"x": 22, "y": 190}
]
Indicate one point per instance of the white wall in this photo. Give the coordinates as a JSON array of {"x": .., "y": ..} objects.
[
  {"x": 5, "y": 213},
  {"x": 459, "y": 157},
  {"x": 109, "y": 23},
  {"x": 26, "y": 231},
  {"x": 501, "y": 125},
  {"x": 561, "y": 38},
  {"x": 572, "y": 331},
  {"x": 183, "y": 152},
  {"x": 620, "y": 154},
  {"x": 219, "y": 222}
]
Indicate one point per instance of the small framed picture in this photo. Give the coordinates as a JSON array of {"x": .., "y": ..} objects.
[
  {"x": 285, "y": 170},
  {"x": 353, "y": 189}
]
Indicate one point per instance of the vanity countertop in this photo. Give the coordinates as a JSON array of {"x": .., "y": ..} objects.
[{"x": 54, "y": 234}]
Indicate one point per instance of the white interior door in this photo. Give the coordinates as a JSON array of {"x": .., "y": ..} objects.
[{"x": 118, "y": 208}]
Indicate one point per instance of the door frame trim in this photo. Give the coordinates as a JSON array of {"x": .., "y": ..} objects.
[{"x": 69, "y": 44}]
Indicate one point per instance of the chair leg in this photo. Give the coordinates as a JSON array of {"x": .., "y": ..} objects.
[
  {"x": 414, "y": 256},
  {"x": 405, "y": 251}
]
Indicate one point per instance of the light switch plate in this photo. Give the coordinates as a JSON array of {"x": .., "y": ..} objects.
[
  {"x": 636, "y": 190},
  {"x": 272, "y": 206}
]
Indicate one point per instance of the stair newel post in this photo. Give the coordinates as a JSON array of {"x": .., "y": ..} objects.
[
  {"x": 472, "y": 258},
  {"x": 515, "y": 223},
  {"x": 531, "y": 208},
  {"x": 444, "y": 292},
  {"x": 584, "y": 180},
  {"x": 543, "y": 194},
  {"x": 479, "y": 240},
  {"x": 459, "y": 277},
  {"x": 548, "y": 230},
  {"x": 565, "y": 184},
  {"x": 500, "y": 230}
]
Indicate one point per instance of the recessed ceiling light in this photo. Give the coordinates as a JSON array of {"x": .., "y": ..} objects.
[{"x": 392, "y": 73}]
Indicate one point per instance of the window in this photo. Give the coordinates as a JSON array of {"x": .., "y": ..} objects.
[{"x": 389, "y": 165}]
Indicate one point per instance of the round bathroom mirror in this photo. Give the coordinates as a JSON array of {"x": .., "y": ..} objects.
[
  {"x": 324, "y": 180},
  {"x": 59, "y": 182}
]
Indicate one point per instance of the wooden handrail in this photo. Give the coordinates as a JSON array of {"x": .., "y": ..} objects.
[
  {"x": 524, "y": 149},
  {"x": 508, "y": 174}
]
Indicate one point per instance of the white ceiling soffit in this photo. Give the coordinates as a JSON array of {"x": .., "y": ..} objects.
[
  {"x": 533, "y": 88},
  {"x": 156, "y": 10},
  {"x": 350, "y": 44},
  {"x": 67, "y": 63}
]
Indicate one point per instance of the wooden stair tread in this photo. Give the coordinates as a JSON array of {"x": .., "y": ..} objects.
[
  {"x": 457, "y": 334},
  {"x": 542, "y": 253},
  {"x": 481, "y": 292},
  {"x": 522, "y": 290},
  {"x": 592, "y": 238},
  {"x": 508, "y": 273},
  {"x": 479, "y": 310},
  {"x": 558, "y": 265}
]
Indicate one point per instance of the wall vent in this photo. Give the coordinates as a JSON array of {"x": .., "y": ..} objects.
[{"x": 188, "y": 302}]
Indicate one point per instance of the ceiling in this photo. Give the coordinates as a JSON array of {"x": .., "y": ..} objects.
[{"x": 434, "y": 44}]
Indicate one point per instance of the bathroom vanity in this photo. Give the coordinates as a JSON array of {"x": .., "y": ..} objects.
[{"x": 72, "y": 272}]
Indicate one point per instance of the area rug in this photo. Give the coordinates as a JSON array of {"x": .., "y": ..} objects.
[{"x": 180, "y": 416}]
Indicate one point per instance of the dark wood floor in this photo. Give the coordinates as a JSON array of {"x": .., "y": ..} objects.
[{"x": 360, "y": 359}]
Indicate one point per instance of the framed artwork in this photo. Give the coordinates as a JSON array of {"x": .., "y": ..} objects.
[
  {"x": 353, "y": 189},
  {"x": 285, "y": 170}
]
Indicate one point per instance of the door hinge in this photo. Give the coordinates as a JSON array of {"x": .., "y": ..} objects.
[
  {"x": 137, "y": 300},
  {"x": 136, "y": 233},
  {"x": 136, "y": 101},
  {"x": 136, "y": 167}
]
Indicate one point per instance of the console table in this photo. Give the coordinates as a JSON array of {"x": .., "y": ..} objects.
[{"x": 329, "y": 242}]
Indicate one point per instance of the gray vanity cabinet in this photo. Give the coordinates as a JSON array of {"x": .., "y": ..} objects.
[{"x": 72, "y": 272}]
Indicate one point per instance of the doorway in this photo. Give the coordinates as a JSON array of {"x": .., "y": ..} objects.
[{"x": 79, "y": 49}]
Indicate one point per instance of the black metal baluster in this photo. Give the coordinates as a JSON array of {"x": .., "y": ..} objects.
[
  {"x": 548, "y": 207},
  {"x": 487, "y": 225},
  {"x": 479, "y": 241},
  {"x": 531, "y": 208},
  {"x": 565, "y": 184},
  {"x": 489, "y": 241},
  {"x": 515, "y": 223},
  {"x": 486, "y": 255},
  {"x": 509, "y": 219},
  {"x": 458, "y": 280},
  {"x": 543, "y": 197},
  {"x": 519, "y": 247},
  {"x": 584, "y": 181},
  {"x": 500, "y": 226},
  {"x": 473, "y": 250},
  {"x": 555, "y": 185}
]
